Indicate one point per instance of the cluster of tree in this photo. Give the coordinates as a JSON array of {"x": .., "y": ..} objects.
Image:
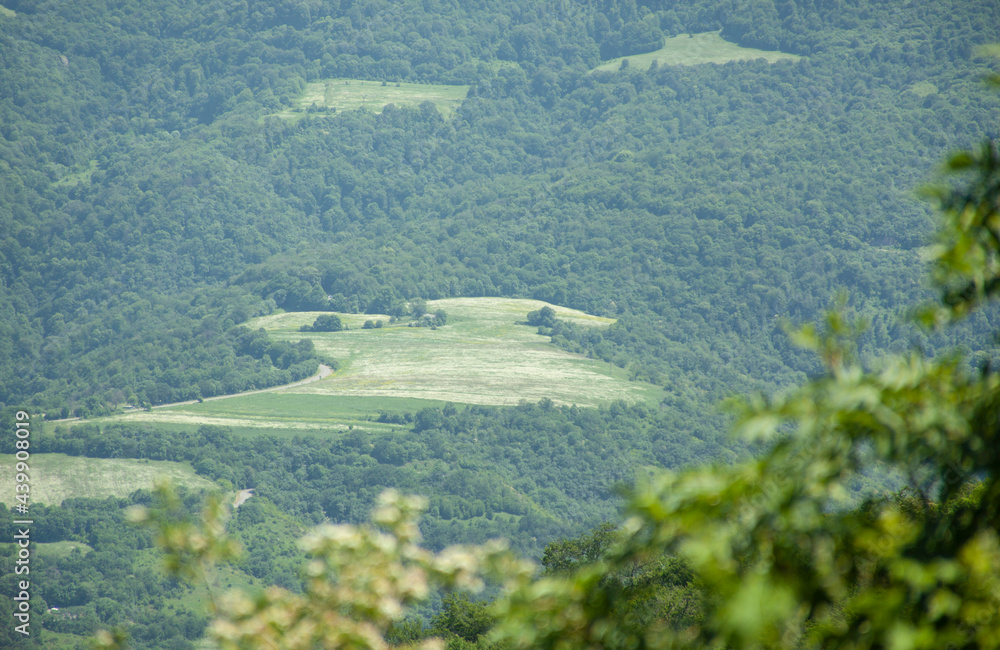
[
  {"x": 792, "y": 26},
  {"x": 433, "y": 321},
  {"x": 649, "y": 593},
  {"x": 108, "y": 581},
  {"x": 461, "y": 623},
  {"x": 544, "y": 318},
  {"x": 324, "y": 323}
]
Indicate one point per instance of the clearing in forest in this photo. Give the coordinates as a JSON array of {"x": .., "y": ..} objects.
[
  {"x": 483, "y": 355},
  {"x": 352, "y": 94},
  {"x": 707, "y": 47},
  {"x": 55, "y": 477}
]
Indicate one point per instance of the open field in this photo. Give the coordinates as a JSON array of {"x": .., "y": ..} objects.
[
  {"x": 351, "y": 94},
  {"x": 60, "y": 550},
  {"x": 482, "y": 356},
  {"x": 82, "y": 175},
  {"x": 55, "y": 477},
  {"x": 281, "y": 413},
  {"x": 62, "y": 641},
  {"x": 707, "y": 47}
]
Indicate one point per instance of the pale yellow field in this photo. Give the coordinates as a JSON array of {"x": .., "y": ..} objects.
[
  {"x": 482, "y": 356},
  {"x": 707, "y": 47},
  {"x": 55, "y": 477}
]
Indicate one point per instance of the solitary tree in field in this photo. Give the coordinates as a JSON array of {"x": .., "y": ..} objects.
[{"x": 544, "y": 317}]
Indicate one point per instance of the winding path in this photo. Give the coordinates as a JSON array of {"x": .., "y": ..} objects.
[{"x": 323, "y": 372}]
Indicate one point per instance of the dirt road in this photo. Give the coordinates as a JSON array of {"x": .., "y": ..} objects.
[{"x": 323, "y": 372}]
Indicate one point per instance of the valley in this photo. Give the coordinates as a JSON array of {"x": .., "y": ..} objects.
[{"x": 293, "y": 247}]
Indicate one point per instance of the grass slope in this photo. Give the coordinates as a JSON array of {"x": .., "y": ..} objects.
[
  {"x": 60, "y": 550},
  {"x": 351, "y": 94},
  {"x": 707, "y": 47},
  {"x": 482, "y": 356},
  {"x": 55, "y": 477}
]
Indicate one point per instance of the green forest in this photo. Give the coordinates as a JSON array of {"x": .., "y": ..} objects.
[{"x": 165, "y": 178}]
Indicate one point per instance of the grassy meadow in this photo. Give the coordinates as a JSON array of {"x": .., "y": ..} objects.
[
  {"x": 352, "y": 94},
  {"x": 707, "y": 47},
  {"x": 482, "y": 356},
  {"x": 60, "y": 550},
  {"x": 55, "y": 477}
]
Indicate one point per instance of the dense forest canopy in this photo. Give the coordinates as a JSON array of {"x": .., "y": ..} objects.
[
  {"x": 151, "y": 204},
  {"x": 155, "y": 195}
]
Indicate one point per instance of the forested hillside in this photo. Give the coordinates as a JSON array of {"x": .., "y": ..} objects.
[
  {"x": 161, "y": 185},
  {"x": 150, "y": 204}
]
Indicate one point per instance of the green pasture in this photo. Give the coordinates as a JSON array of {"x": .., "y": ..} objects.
[
  {"x": 281, "y": 413},
  {"x": 351, "y": 94},
  {"x": 81, "y": 175},
  {"x": 484, "y": 355},
  {"x": 60, "y": 550},
  {"x": 63, "y": 641},
  {"x": 55, "y": 477},
  {"x": 707, "y": 47}
]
